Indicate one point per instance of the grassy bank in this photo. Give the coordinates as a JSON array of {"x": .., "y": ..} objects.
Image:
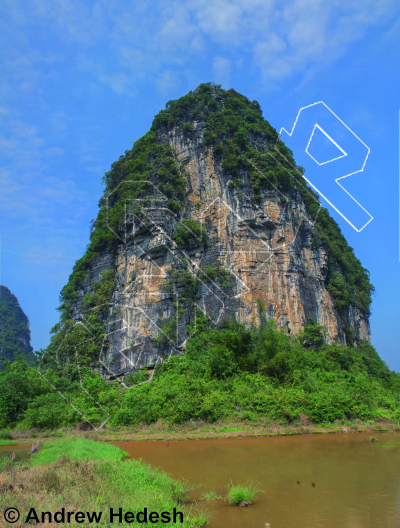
[
  {"x": 200, "y": 430},
  {"x": 81, "y": 475},
  {"x": 7, "y": 442}
]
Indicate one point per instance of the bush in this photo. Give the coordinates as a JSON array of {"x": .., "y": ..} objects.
[
  {"x": 5, "y": 435},
  {"x": 239, "y": 494},
  {"x": 190, "y": 232},
  {"x": 134, "y": 378}
]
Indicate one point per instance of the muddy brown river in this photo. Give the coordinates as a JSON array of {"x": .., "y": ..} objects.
[{"x": 329, "y": 481}]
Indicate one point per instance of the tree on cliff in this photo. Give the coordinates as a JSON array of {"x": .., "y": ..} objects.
[{"x": 313, "y": 334}]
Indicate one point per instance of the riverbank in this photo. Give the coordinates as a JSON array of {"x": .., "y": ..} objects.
[
  {"x": 202, "y": 431},
  {"x": 80, "y": 475}
]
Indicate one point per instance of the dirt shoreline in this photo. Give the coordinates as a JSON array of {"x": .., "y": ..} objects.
[{"x": 199, "y": 431}]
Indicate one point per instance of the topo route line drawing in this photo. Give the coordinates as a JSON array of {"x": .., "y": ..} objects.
[{"x": 189, "y": 263}]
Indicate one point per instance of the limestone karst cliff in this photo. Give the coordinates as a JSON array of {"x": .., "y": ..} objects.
[
  {"x": 203, "y": 216},
  {"x": 15, "y": 336}
]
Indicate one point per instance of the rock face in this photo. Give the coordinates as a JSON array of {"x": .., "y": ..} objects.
[
  {"x": 15, "y": 335},
  {"x": 245, "y": 250}
]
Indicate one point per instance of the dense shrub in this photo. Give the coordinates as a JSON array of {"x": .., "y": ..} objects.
[{"x": 260, "y": 370}]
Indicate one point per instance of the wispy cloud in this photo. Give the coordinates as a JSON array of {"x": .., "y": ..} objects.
[
  {"x": 121, "y": 45},
  {"x": 30, "y": 192}
]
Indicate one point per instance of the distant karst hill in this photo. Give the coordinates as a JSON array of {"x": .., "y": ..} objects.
[
  {"x": 203, "y": 217},
  {"x": 15, "y": 335}
]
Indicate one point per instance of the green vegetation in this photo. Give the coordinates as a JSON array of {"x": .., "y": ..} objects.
[
  {"x": 87, "y": 476},
  {"x": 229, "y": 374},
  {"x": 346, "y": 280},
  {"x": 189, "y": 282},
  {"x": 241, "y": 494},
  {"x": 189, "y": 232},
  {"x": 373, "y": 439},
  {"x": 15, "y": 335},
  {"x": 211, "y": 495},
  {"x": 136, "y": 377},
  {"x": 5, "y": 435},
  {"x": 201, "y": 519},
  {"x": 77, "y": 449},
  {"x": 6, "y": 438}
]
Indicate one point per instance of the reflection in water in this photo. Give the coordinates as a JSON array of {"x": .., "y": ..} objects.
[{"x": 329, "y": 481}]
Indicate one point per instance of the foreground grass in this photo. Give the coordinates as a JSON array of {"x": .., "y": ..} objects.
[
  {"x": 83, "y": 475},
  {"x": 78, "y": 448}
]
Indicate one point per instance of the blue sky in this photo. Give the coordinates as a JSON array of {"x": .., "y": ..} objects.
[{"x": 81, "y": 81}]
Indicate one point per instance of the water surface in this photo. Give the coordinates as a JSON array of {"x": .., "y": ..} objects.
[
  {"x": 310, "y": 481},
  {"x": 21, "y": 452}
]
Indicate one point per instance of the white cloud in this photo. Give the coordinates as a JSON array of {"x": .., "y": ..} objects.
[
  {"x": 143, "y": 40},
  {"x": 118, "y": 82},
  {"x": 176, "y": 31},
  {"x": 220, "y": 17},
  {"x": 310, "y": 32}
]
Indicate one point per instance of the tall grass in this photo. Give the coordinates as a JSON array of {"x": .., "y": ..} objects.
[
  {"x": 211, "y": 495},
  {"x": 200, "y": 520},
  {"x": 83, "y": 475},
  {"x": 77, "y": 448},
  {"x": 240, "y": 494}
]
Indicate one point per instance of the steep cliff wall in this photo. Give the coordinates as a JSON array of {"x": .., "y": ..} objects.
[
  {"x": 15, "y": 336},
  {"x": 200, "y": 219}
]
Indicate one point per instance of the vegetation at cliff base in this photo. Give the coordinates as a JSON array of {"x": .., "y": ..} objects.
[{"x": 225, "y": 374}]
